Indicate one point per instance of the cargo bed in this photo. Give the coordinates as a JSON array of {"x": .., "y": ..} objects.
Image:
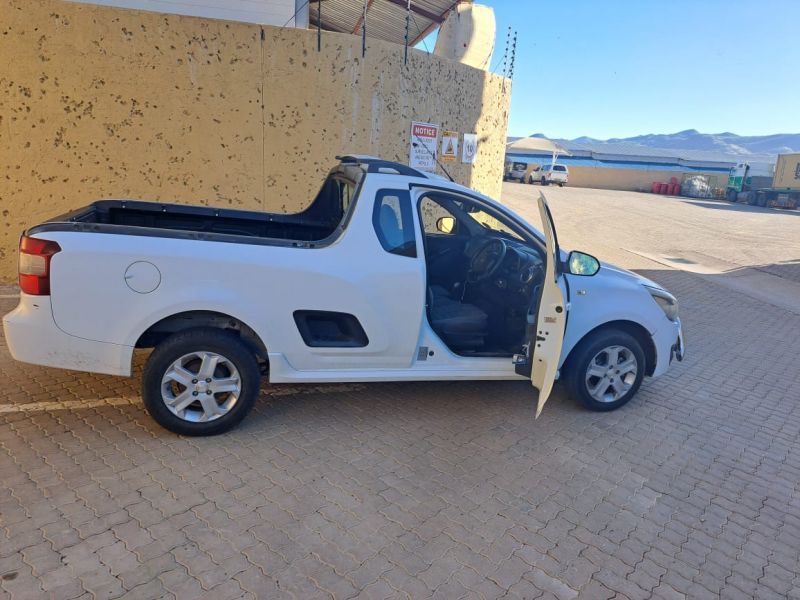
[{"x": 314, "y": 226}]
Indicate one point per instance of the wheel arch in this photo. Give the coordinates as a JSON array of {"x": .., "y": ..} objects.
[
  {"x": 632, "y": 328},
  {"x": 192, "y": 319}
]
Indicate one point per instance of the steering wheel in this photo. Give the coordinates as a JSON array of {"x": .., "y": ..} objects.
[{"x": 486, "y": 260}]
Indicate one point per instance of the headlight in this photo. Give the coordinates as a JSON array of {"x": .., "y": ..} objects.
[{"x": 666, "y": 301}]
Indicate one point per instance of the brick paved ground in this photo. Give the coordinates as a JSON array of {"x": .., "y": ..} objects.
[{"x": 444, "y": 489}]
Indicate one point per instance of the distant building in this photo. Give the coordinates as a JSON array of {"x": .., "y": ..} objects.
[{"x": 626, "y": 166}]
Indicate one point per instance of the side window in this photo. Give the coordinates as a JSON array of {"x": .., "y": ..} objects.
[
  {"x": 435, "y": 218},
  {"x": 393, "y": 222}
]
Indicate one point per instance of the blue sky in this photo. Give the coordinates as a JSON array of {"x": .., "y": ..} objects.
[{"x": 618, "y": 68}]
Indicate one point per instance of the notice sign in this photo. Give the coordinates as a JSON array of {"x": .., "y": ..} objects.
[
  {"x": 470, "y": 148},
  {"x": 449, "y": 145},
  {"x": 424, "y": 138}
]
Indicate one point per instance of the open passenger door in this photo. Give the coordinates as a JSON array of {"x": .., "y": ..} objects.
[{"x": 546, "y": 319}]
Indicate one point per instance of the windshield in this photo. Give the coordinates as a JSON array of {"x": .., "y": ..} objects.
[{"x": 487, "y": 220}]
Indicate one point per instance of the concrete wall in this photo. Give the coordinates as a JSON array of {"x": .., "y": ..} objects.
[
  {"x": 101, "y": 102},
  {"x": 633, "y": 179},
  {"x": 786, "y": 170}
]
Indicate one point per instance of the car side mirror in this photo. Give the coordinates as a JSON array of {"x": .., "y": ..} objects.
[
  {"x": 580, "y": 263},
  {"x": 446, "y": 224}
]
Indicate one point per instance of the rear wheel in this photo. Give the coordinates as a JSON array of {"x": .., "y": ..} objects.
[
  {"x": 544, "y": 181},
  {"x": 606, "y": 370},
  {"x": 200, "y": 382}
]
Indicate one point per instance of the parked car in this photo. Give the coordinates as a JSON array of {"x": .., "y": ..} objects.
[
  {"x": 548, "y": 174},
  {"x": 390, "y": 274},
  {"x": 516, "y": 172}
]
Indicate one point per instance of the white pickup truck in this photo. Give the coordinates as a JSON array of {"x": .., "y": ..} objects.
[{"x": 390, "y": 274}]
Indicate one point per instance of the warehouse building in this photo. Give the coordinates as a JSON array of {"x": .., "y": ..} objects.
[{"x": 623, "y": 166}]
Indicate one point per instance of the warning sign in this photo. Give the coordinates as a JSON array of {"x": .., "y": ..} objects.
[
  {"x": 470, "y": 148},
  {"x": 423, "y": 146},
  {"x": 449, "y": 145}
]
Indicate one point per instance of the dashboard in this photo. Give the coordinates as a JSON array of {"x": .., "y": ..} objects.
[{"x": 522, "y": 268}]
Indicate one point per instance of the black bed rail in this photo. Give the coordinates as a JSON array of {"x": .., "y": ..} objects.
[{"x": 378, "y": 165}]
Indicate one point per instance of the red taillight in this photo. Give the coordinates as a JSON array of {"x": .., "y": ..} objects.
[{"x": 34, "y": 265}]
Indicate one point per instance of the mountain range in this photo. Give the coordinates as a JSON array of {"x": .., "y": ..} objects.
[{"x": 723, "y": 143}]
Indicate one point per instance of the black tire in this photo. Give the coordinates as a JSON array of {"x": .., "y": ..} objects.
[
  {"x": 585, "y": 353},
  {"x": 544, "y": 181},
  {"x": 217, "y": 341},
  {"x": 561, "y": 184}
]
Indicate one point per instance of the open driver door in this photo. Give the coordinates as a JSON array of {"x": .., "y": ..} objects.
[{"x": 547, "y": 318}]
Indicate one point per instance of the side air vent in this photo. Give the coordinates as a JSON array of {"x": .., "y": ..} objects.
[{"x": 328, "y": 329}]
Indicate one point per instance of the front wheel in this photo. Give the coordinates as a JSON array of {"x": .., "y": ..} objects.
[
  {"x": 544, "y": 181},
  {"x": 200, "y": 381},
  {"x": 606, "y": 370}
]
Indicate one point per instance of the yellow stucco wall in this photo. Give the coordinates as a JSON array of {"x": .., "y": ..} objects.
[
  {"x": 99, "y": 102},
  {"x": 786, "y": 172}
]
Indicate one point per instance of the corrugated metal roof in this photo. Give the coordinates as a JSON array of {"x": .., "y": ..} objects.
[
  {"x": 386, "y": 19},
  {"x": 633, "y": 149}
]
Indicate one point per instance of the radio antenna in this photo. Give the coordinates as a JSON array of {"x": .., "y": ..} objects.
[{"x": 433, "y": 156}]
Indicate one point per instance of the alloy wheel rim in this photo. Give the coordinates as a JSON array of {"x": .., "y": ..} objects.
[
  {"x": 201, "y": 386},
  {"x": 611, "y": 373}
]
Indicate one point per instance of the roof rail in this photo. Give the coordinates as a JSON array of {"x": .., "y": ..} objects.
[{"x": 378, "y": 165}]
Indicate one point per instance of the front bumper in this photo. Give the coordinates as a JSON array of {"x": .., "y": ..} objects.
[
  {"x": 669, "y": 345},
  {"x": 33, "y": 337},
  {"x": 679, "y": 347}
]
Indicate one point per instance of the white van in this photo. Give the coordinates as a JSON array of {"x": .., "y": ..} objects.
[
  {"x": 548, "y": 174},
  {"x": 515, "y": 172}
]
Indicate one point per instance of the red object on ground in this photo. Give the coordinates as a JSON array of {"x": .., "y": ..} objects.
[
  {"x": 663, "y": 188},
  {"x": 673, "y": 180},
  {"x": 654, "y": 187}
]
